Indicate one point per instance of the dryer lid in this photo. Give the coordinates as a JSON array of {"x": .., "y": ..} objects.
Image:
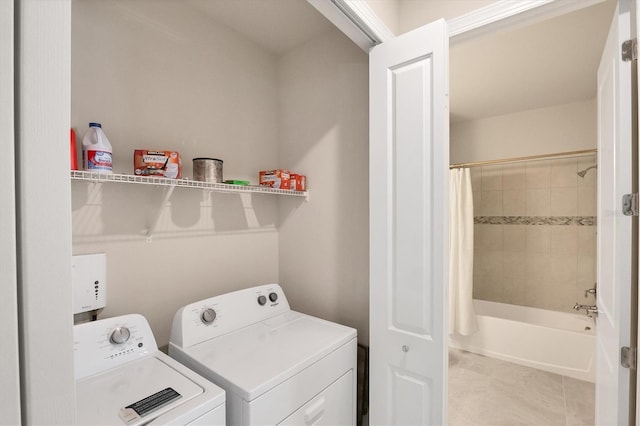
[{"x": 253, "y": 360}]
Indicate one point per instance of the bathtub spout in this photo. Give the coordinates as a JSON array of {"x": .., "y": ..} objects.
[{"x": 590, "y": 310}]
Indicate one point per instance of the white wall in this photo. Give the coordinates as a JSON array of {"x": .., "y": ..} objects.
[
  {"x": 182, "y": 82},
  {"x": 162, "y": 76},
  {"x": 548, "y": 130},
  {"x": 415, "y": 13},
  {"x": 324, "y": 255},
  {"x": 388, "y": 12}
]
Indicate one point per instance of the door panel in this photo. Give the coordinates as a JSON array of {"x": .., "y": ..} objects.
[
  {"x": 411, "y": 250},
  {"x": 409, "y": 392},
  {"x": 614, "y": 229},
  {"x": 409, "y": 157}
]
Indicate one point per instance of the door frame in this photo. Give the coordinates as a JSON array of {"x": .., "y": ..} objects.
[
  {"x": 43, "y": 210},
  {"x": 358, "y": 21},
  {"x": 9, "y": 354},
  {"x": 635, "y": 291},
  {"x": 505, "y": 14}
]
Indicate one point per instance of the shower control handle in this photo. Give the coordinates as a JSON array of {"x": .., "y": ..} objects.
[
  {"x": 590, "y": 310},
  {"x": 590, "y": 291}
]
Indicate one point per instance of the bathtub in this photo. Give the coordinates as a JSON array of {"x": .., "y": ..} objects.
[{"x": 558, "y": 342}]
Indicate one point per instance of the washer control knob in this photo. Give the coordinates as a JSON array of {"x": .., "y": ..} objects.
[
  {"x": 208, "y": 316},
  {"x": 273, "y": 296},
  {"x": 119, "y": 335},
  {"x": 262, "y": 300}
]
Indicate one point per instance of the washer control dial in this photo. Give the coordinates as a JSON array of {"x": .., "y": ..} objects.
[
  {"x": 208, "y": 316},
  {"x": 119, "y": 335},
  {"x": 273, "y": 296},
  {"x": 262, "y": 300}
]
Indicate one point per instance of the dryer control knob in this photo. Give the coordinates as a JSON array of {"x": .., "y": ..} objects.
[
  {"x": 208, "y": 316},
  {"x": 262, "y": 300},
  {"x": 273, "y": 296},
  {"x": 119, "y": 335}
]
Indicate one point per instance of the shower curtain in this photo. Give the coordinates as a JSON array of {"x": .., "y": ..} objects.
[{"x": 462, "y": 318}]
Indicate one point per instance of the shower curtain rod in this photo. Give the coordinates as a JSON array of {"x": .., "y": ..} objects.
[{"x": 527, "y": 158}]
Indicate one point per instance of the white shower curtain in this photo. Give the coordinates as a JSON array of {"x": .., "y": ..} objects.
[{"x": 462, "y": 318}]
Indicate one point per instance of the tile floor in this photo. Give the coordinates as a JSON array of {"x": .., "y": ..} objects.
[{"x": 487, "y": 391}]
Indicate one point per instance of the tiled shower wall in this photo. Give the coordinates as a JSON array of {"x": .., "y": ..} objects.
[{"x": 535, "y": 232}]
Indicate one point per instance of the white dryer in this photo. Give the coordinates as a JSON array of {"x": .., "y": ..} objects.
[
  {"x": 277, "y": 366},
  {"x": 123, "y": 379}
]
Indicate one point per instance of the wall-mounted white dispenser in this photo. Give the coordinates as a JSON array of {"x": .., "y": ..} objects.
[{"x": 89, "y": 280}]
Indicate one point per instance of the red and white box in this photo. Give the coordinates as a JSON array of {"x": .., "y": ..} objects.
[
  {"x": 157, "y": 163},
  {"x": 278, "y": 179},
  {"x": 298, "y": 182}
]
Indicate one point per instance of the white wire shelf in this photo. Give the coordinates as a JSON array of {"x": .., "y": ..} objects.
[{"x": 181, "y": 183}]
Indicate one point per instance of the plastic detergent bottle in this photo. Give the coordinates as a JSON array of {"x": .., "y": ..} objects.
[{"x": 96, "y": 150}]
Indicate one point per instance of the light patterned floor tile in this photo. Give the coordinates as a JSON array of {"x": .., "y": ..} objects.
[{"x": 486, "y": 391}]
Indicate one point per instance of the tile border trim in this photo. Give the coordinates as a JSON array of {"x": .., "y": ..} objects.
[{"x": 536, "y": 220}]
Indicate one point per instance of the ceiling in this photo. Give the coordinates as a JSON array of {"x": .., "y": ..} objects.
[
  {"x": 549, "y": 63},
  {"x": 276, "y": 25}
]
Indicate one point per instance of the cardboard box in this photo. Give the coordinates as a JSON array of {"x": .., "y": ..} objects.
[
  {"x": 158, "y": 163},
  {"x": 298, "y": 182},
  {"x": 279, "y": 179}
]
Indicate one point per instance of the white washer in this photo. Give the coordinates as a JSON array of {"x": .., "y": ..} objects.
[
  {"x": 123, "y": 379},
  {"x": 277, "y": 366}
]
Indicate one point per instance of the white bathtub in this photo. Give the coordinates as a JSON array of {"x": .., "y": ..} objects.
[{"x": 562, "y": 343}]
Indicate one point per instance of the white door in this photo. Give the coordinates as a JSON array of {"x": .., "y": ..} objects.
[
  {"x": 614, "y": 229},
  {"x": 409, "y": 166}
]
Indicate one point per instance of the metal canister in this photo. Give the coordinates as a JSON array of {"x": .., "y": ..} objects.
[{"x": 207, "y": 169}]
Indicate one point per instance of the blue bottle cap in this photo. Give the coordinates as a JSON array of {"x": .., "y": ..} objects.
[{"x": 95, "y": 125}]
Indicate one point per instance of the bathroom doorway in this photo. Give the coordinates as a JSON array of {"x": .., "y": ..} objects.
[{"x": 523, "y": 95}]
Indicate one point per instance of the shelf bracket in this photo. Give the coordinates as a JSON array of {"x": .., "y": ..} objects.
[{"x": 154, "y": 222}]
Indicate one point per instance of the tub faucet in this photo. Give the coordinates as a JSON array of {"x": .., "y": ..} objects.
[{"x": 590, "y": 310}]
